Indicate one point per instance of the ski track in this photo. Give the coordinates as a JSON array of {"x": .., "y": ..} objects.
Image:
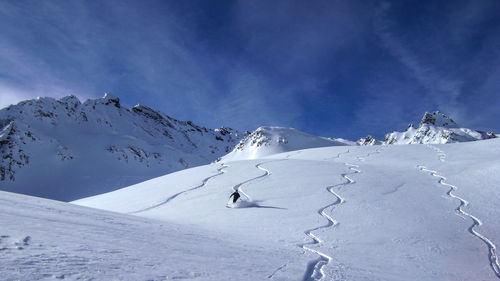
[
  {"x": 441, "y": 154},
  {"x": 493, "y": 258},
  {"x": 203, "y": 183},
  {"x": 277, "y": 270},
  {"x": 220, "y": 172},
  {"x": 363, "y": 158},
  {"x": 258, "y": 166},
  {"x": 315, "y": 268},
  {"x": 266, "y": 173}
]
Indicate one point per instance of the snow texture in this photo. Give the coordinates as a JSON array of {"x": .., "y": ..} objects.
[
  {"x": 42, "y": 239},
  {"x": 419, "y": 212}
]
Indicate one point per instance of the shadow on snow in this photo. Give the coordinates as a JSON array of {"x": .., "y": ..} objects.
[{"x": 254, "y": 204}]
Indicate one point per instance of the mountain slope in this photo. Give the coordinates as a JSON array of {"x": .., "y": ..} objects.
[
  {"x": 63, "y": 149},
  {"x": 343, "y": 213},
  {"x": 436, "y": 128},
  {"x": 266, "y": 141},
  {"x": 50, "y": 240}
]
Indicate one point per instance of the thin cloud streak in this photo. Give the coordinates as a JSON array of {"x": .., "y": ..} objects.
[{"x": 444, "y": 91}]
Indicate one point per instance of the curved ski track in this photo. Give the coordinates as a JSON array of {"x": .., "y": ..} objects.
[
  {"x": 203, "y": 183},
  {"x": 258, "y": 166},
  {"x": 441, "y": 154},
  {"x": 266, "y": 173},
  {"x": 315, "y": 268},
  {"x": 363, "y": 158},
  {"x": 493, "y": 258}
]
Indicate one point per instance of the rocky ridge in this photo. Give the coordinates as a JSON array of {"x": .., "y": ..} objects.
[
  {"x": 97, "y": 138},
  {"x": 434, "y": 128}
]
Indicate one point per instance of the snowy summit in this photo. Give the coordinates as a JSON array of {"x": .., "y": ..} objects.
[
  {"x": 266, "y": 141},
  {"x": 436, "y": 128},
  {"x": 438, "y": 119}
]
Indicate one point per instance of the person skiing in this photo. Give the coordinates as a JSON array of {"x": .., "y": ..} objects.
[{"x": 235, "y": 196}]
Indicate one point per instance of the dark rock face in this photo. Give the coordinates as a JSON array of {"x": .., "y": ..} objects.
[
  {"x": 439, "y": 119},
  {"x": 368, "y": 140}
]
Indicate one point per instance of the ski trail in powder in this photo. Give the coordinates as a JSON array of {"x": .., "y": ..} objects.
[
  {"x": 266, "y": 173},
  {"x": 493, "y": 258},
  {"x": 203, "y": 183},
  {"x": 258, "y": 166},
  {"x": 315, "y": 268}
]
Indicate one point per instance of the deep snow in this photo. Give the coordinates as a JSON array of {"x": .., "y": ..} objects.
[
  {"x": 339, "y": 213},
  {"x": 42, "y": 239}
]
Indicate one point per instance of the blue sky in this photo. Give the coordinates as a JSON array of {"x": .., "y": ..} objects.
[{"x": 330, "y": 68}]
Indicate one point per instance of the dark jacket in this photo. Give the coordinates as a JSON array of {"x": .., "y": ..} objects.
[{"x": 235, "y": 196}]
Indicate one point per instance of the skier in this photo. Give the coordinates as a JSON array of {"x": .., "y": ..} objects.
[{"x": 235, "y": 196}]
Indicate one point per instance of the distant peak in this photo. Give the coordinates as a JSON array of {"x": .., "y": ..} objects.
[
  {"x": 111, "y": 99},
  {"x": 438, "y": 119},
  {"x": 368, "y": 140},
  {"x": 110, "y": 96},
  {"x": 70, "y": 99}
]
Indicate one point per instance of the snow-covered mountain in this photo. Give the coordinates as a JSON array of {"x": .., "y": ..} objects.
[
  {"x": 368, "y": 140},
  {"x": 394, "y": 213},
  {"x": 266, "y": 141},
  {"x": 64, "y": 149},
  {"x": 436, "y": 128}
]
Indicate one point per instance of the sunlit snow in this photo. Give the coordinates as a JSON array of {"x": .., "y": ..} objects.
[{"x": 337, "y": 213}]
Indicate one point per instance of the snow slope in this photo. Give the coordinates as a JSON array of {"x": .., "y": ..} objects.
[
  {"x": 42, "y": 239},
  {"x": 64, "y": 149},
  {"x": 266, "y": 141},
  {"x": 420, "y": 212}
]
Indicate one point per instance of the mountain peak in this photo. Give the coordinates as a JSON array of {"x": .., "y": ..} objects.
[
  {"x": 435, "y": 128},
  {"x": 118, "y": 146},
  {"x": 438, "y": 119},
  {"x": 110, "y": 96},
  {"x": 273, "y": 140},
  {"x": 368, "y": 140}
]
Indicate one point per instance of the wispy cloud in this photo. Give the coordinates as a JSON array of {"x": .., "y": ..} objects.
[
  {"x": 252, "y": 101},
  {"x": 437, "y": 86},
  {"x": 297, "y": 34}
]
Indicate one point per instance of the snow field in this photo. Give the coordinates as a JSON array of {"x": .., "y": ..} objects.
[
  {"x": 49, "y": 240},
  {"x": 343, "y": 213},
  {"x": 331, "y": 213}
]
